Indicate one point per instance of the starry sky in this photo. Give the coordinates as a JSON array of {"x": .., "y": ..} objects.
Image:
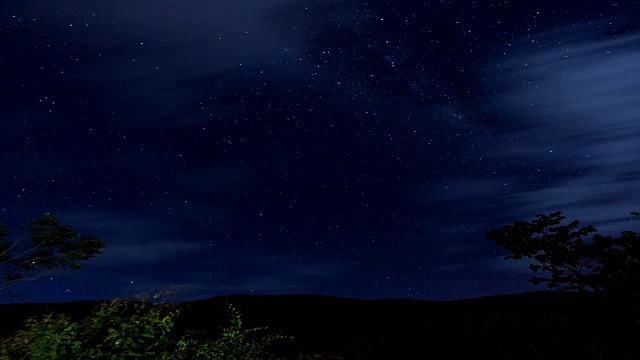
[{"x": 354, "y": 149}]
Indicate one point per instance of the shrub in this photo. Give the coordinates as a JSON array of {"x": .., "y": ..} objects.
[
  {"x": 123, "y": 329},
  {"x": 120, "y": 329},
  {"x": 233, "y": 344},
  {"x": 51, "y": 338}
]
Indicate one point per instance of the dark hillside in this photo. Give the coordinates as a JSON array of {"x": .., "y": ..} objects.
[{"x": 537, "y": 325}]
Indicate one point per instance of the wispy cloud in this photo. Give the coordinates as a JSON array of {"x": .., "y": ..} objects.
[{"x": 578, "y": 104}]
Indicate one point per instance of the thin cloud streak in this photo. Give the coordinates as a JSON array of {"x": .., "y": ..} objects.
[{"x": 582, "y": 109}]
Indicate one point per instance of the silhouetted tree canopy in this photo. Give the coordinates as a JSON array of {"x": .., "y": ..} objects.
[
  {"x": 54, "y": 247},
  {"x": 604, "y": 264}
]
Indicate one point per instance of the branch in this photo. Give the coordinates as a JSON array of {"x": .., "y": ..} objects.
[
  {"x": 19, "y": 255},
  {"x": 9, "y": 249},
  {"x": 570, "y": 268},
  {"x": 24, "y": 279}
]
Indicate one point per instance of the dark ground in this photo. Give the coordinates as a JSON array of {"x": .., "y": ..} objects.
[{"x": 536, "y": 325}]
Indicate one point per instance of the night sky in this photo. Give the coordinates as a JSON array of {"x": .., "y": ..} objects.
[{"x": 355, "y": 149}]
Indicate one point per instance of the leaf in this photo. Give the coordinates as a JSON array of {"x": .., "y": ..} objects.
[{"x": 560, "y": 252}]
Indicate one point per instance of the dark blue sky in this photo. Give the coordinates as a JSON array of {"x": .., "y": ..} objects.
[{"x": 343, "y": 148}]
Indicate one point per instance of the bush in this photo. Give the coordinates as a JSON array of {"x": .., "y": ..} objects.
[
  {"x": 124, "y": 329},
  {"x": 52, "y": 337},
  {"x": 120, "y": 329},
  {"x": 233, "y": 344}
]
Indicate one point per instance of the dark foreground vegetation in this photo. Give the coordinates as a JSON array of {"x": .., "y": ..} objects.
[
  {"x": 537, "y": 325},
  {"x": 595, "y": 315}
]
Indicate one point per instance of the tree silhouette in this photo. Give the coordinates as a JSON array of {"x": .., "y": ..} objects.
[
  {"x": 604, "y": 264},
  {"x": 54, "y": 247}
]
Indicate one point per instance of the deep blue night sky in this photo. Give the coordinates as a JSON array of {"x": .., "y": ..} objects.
[{"x": 355, "y": 149}]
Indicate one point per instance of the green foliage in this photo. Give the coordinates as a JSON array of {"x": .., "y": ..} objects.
[
  {"x": 120, "y": 329},
  {"x": 604, "y": 264},
  {"x": 52, "y": 337},
  {"x": 54, "y": 247},
  {"x": 123, "y": 329},
  {"x": 233, "y": 344}
]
